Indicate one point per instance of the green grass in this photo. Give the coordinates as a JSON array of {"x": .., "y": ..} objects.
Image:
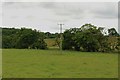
[
  {"x": 21, "y": 63},
  {"x": 50, "y": 42},
  {"x": 0, "y": 63}
]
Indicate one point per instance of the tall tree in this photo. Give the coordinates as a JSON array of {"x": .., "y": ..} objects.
[
  {"x": 88, "y": 38},
  {"x": 112, "y": 32}
]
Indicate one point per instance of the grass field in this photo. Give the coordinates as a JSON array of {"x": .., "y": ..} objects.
[
  {"x": 21, "y": 63},
  {"x": 0, "y": 63},
  {"x": 50, "y": 42}
]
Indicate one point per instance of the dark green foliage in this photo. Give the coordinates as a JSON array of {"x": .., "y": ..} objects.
[
  {"x": 40, "y": 44},
  {"x": 87, "y": 38},
  {"x": 50, "y": 35},
  {"x": 112, "y": 32},
  {"x": 22, "y": 38},
  {"x": 8, "y": 37},
  {"x": 7, "y": 42},
  {"x": 26, "y": 38},
  {"x": 67, "y": 40}
]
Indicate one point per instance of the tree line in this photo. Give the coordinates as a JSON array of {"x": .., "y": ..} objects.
[
  {"x": 87, "y": 38},
  {"x": 90, "y": 38},
  {"x": 23, "y": 39}
]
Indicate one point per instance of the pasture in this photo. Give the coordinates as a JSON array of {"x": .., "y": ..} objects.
[{"x": 28, "y": 63}]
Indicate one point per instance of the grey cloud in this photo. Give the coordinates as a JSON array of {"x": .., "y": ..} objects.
[
  {"x": 108, "y": 10},
  {"x": 77, "y": 10},
  {"x": 74, "y": 10},
  {"x": 64, "y": 8},
  {"x": 47, "y": 4},
  {"x": 119, "y": 17},
  {"x": 20, "y": 5},
  {"x": 50, "y": 13},
  {"x": 8, "y": 3}
]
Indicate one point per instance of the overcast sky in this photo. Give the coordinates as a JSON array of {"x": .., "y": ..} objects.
[{"x": 45, "y": 16}]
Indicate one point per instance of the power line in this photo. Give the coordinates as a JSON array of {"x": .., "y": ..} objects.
[{"x": 61, "y": 37}]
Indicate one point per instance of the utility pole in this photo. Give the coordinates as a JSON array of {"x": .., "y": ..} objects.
[{"x": 61, "y": 37}]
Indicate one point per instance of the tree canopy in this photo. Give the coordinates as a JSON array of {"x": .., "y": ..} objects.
[
  {"x": 22, "y": 38},
  {"x": 87, "y": 38}
]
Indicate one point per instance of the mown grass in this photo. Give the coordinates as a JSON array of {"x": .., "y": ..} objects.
[{"x": 22, "y": 63}]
